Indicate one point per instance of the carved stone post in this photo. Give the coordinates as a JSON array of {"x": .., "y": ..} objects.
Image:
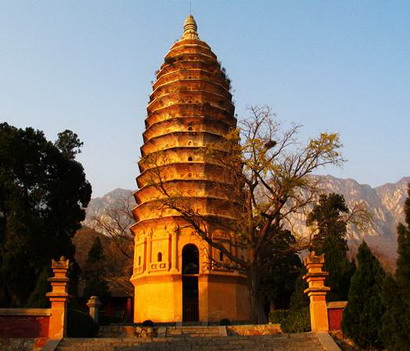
[
  {"x": 93, "y": 305},
  {"x": 58, "y": 298},
  {"x": 316, "y": 291}
]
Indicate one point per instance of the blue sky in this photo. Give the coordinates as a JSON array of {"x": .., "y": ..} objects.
[{"x": 335, "y": 66}]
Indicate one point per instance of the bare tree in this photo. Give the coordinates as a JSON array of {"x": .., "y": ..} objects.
[
  {"x": 115, "y": 222},
  {"x": 266, "y": 177}
]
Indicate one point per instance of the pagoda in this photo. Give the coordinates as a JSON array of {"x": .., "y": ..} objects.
[{"x": 176, "y": 274}]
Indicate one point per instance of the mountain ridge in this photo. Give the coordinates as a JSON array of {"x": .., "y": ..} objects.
[{"x": 385, "y": 204}]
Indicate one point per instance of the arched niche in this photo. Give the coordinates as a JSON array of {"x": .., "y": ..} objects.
[{"x": 190, "y": 259}]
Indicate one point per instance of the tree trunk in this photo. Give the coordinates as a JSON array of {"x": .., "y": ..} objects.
[{"x": 257, "y": 313}]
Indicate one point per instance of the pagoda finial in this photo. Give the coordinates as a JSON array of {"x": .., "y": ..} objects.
[{"x": 190, "y": 28}]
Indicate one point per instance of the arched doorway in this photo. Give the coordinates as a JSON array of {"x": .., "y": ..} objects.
[{"x": 190, "y": 271}]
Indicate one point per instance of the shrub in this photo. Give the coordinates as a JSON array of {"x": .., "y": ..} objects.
[
  {"x": 105, "y": 319},
  {"x": 276, "y": 317},
  {"x": 225, "y": 321},
  {"x": 297, "y": 321},
  {"x": 148, "y": 323},
  {"x": 80, "y": 325}
]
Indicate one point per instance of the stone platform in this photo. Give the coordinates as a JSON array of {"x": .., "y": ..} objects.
[
  {"x": 296, "y": 342},
  {"x": 213, "y": 338}
]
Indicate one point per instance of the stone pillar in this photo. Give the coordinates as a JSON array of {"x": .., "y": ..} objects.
[
  {"x": 58, "y": 298},
  {"x": 174, "y": 250},
  {"x": 316, "y": 291},
  {"x": 149, "y": 252},
  {"x": 93, "y": 305},
  {"x": 145, "y": 256}
]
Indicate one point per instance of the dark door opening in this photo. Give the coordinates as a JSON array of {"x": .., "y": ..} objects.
[
  {"x": 190, "y": 271},
  {"x": 190, "y": 299}
]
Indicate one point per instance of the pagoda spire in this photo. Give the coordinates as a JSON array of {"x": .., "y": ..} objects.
[{"x": 190, "y": 28}]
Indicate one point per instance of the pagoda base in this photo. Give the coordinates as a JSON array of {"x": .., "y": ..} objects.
[{"x": 162, "y": 298}]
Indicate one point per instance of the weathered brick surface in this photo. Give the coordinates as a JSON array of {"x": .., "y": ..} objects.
[{"x": 22, "y": 344}]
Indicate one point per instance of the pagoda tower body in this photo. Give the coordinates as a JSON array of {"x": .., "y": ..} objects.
[{"x": 190, "y": 111}]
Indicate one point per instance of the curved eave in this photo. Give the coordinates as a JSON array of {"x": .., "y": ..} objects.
[
  {"x": 228, "y": 119},
  {"x": 224, "y": 127},
  {"x": 174, "y": 96},
  {"x": 143, "y": 167},
  {"x": 180, "y": 219},
  {"x": 188, "y": 81},
  {"x": 217, "y": 184},
  {"x": 176, "y": 165},
  {"x": 192, "y": 134}
]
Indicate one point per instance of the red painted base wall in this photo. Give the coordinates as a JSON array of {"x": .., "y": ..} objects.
[
  {"x": 24, "y": 326},
  {"x": 335, "y": 318}
]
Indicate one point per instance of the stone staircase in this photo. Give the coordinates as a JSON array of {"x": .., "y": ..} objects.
[
  {"x": 194, "y": 331},
  {"x": 190, "y": 341}
]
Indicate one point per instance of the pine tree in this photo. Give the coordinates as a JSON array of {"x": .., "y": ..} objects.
[
  {"x": 361, "y": 318},
  {"x": 403, "y": 261},
  {"x": 96, "y": 284},
  {"x": 331, "y": 240},
  {"x": 299, "y": 298},
  {"x": 396, "y": 292},
  {"x": 38, "y": 297}
]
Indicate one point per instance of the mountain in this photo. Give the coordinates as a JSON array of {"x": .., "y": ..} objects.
[{"x": 385, "y": 204}]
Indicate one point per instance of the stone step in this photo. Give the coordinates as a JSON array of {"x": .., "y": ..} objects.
[
  {"x": 126, "y": 331},
  {"x": 195, "y": 331},
  {"x": 295, "y": 342}
]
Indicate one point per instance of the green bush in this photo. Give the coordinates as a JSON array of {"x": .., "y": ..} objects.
[
  {"x": 104, "y": 319},
  {"x": 297, "y": 321},
  {"x": 225, "y": 321},
  {"x": 80, "y": 325},
  {"x": 276, "y": 317}
]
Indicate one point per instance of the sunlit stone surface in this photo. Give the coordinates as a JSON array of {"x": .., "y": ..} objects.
[{"x": 190, "y": 111}]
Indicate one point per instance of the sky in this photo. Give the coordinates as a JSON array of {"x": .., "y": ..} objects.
[{"x": 332, "y": 66}]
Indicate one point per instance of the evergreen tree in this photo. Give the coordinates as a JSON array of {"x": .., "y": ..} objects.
[
  {"x": 299, "y": 299},
  {"x": 331, "y": 240},
  {"x": 396, "y": 292},
  {"x": 38, "y": 297},
  {"x": 43, "y": 193},
  {"x": 95, "y": 282},
  {"x": 403, "y": 261},
  {"x": 363, "y": 313}
]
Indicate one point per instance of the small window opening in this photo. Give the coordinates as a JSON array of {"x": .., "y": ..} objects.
[
  {"x": 139, "y": 260},
  {"x": 221, "y": 256},
  {"x": 189, "y": 158},
  {"x": 189, "y": 175},
  {"x": 190, "y": 128},
  {"x": 159, "y": 257}
]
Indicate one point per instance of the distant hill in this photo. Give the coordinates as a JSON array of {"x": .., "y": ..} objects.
[{"x": 385, "y": 203}]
